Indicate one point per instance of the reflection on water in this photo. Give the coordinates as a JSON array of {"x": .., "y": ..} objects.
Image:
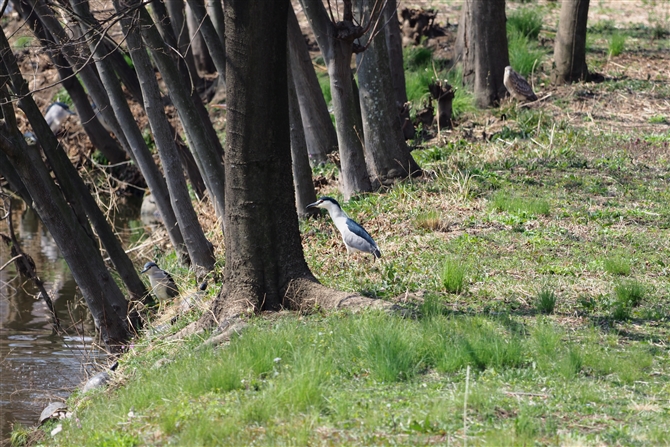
[{"x": 36, "y": 365}]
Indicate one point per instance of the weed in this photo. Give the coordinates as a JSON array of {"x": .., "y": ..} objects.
[
  {"x": 617, "y": 265},
  {"x": 23, "y": 42},
  {"x": 523, "y": 56},
  {"x": 417, "y": 58},
  {"x": 545, "y": 302},
  {"x": 630, "y": 293},
  {"x": 453, "y": 275},
  {"x": 617, "y": 43}
]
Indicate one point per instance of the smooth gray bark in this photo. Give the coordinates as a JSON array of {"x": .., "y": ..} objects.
[
  {"x": 302, "y": 173},
  {"x": 386, "y": 152},
  {"x": 336, "y": 44},
  {"x": 570, "y": 45},
  {"x": 199, "y": 249},
  {"x": 320, "y": 134}
]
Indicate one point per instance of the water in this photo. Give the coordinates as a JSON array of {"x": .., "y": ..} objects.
[{"x": 38, "y": 366}]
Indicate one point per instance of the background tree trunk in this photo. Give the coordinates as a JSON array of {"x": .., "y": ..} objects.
[
  {"x": 203, "y": 60},
  {"x": 302, "y": 173},
  {"x": 396, "y": 65},
  {"x": 320, "y": 133},
  {"x": 336, "y": 44},
  {"x": 198, "y": 247},
  {"x": 482, "y": 48},
  {"x": 175, "y": 9},
  {"x": 570, "y": 45},
  {"x": 386, "y": 152}
]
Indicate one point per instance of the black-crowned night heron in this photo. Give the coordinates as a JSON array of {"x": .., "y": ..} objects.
[
  {"x": 162, "y": 284},
  {"x": 55, "y": 115},
  {"x": 354, "y": 236},
  {"x": 517, "y": 86}
]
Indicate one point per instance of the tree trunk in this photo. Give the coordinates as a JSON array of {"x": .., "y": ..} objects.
[
  {"x": 103, "y": 297},
  {"x": 72, "y": 185},
  {"x": 570, "y": 45},
  {"x": 265, "y": 267},
  {"x": 203, "y": 60},
  {"x": 320, "y": 135},
  {"x": 336, "y": 44},
  {"x": 100, "y": 138},
  {"x": 198, "y": 128},
  {"x": 198, "y": 247},
  {"x": 481, "y": 46},
  {"x": 396, "y": 65},
  {"x": 142, "y": 156},
  {"x": 15, "y": 183},
  {"x": 302, "y": 173},
  {"x": 386, "y": 152},
  {"x": 210, "y": 36},
  {"x": 176, "y": 11}
]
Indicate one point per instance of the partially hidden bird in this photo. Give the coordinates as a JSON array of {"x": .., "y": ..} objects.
[
  {"x": 355, "y": 238},
  {"x": 55, "y": 115},
  {"x": 162, "y": 284},
  {"x": 517, "y": 85}
]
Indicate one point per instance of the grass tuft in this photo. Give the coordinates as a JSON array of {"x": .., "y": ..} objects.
[
  {"x": 545, "y": 301},
  {"x": 617, "y": 44},
  {"x": 453, "y": 275},
  {"x": 617, "y": 265}
]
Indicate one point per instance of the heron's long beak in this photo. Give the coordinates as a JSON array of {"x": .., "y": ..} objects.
[
  {"x": 312, "y": 205},
  {"x": 145, "y": 269}
]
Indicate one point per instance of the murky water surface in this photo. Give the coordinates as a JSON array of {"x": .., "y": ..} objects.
[{"x": 38, "y": 366}]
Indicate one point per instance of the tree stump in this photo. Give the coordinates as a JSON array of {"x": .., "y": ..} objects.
[{"x": 444, "y": 95}]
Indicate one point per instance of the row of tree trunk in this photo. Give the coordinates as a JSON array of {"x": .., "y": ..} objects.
[{"x": 277, "y": 122}]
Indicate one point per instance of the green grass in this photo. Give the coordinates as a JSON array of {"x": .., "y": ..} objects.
[
  {"x": 346, "y": 376},
  {"x": 545, "y": 302},
  {"x": 525, "y": 21},
  {"x": 617, "y": 44},
  {"x": 453, "y": 275},
  {"x": 525, "y": 57},
  {"x": 503, "y": 202},
  {"x": 617, "y": 265},
  {"x": 23, "y": 42}
]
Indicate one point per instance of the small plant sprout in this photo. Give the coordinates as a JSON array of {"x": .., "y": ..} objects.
[
  {"x": 546, "y": 301},
  {"x": 453, "y": 275}
]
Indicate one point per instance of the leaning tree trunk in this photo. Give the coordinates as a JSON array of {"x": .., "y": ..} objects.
[
  {"x": 386, "y": 152},
  {"x": 103, "y": 297},
  {"x": 265, "y": 266},
  {"x": 570, "y": 45},
  {"x": 202, "y": 58},
  {"x": 320, "y": 133},
  {"x": 481, "y": 46},
  {"x": 198, "y": 247},
  {"x": 210, "y": 36},
  {"x": 175, "y": 10},
  {"x": 336, "y": 42},
  {"x": 72, "y": 186},
  {"x": 141, "y": 154}
]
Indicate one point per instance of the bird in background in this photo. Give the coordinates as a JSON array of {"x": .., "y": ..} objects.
[
  {"x": 354, "y": 236},
  {"x": 517, "y": 85},
  {"x": 162, "y": 284},
  {"x": 56, "y": 114}
]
